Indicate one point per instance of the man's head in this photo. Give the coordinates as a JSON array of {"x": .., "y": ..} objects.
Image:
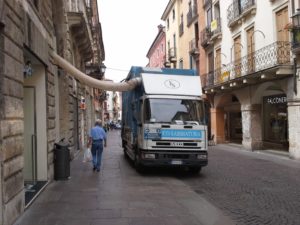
[{"x": 98, "y": 122}]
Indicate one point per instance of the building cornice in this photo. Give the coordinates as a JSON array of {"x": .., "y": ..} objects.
[{"x": 168, "y": 9}]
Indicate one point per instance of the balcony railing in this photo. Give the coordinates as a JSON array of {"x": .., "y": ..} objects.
[
  {"x": 237, "y": 8},
  {"x": 265, "y": 58},
  {"x": 205, "y": 36},
  {"x": 181, "y": 29},
  {"x": 172, "y": 54},
  {"x": 191, "y": 15},
  {"x": 194, "y": 46}
]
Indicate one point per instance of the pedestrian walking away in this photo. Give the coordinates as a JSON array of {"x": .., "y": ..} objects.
[{"x": 97, "y": 138}]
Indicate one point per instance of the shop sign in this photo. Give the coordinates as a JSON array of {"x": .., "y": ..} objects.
[
  {"x": 276, "y": 100},
  {"x": 213, "y": 25},
  {"x": 225, "y": 76}
]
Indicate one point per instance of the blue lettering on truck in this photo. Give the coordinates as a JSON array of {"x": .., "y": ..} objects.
[
  {"x": 196, "y": 134},
  {"x": 181, "y": 133}
]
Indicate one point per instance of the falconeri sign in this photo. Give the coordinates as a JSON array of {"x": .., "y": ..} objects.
[{"x": 279, "y": 99}]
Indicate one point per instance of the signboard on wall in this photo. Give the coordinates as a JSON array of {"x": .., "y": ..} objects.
[{"x": 213, "y": 25}]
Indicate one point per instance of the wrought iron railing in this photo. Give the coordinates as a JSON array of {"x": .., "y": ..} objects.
[
  {"x": 194, "y": 46},
  {"x": 237, "y": 8},
  {"x": 172, "y": 54},
  {"x": 205, "y": 36},
  {"x": 267, "y": 57},
  {"x": 192, "y": 14}
]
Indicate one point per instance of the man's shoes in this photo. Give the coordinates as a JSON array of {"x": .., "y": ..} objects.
[
  {"x": 98, "y": 170},
  {"x": 94, "y": 168}
]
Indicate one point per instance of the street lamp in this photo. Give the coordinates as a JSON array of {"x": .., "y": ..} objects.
[
  {"x": 296, "y": 19},
  {"x": 102, "y": 68},
  {"x": 296, "y": 29}
]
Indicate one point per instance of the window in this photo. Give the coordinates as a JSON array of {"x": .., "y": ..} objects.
[
  {"x": 36, "y": 3},
  {"x": 173, "y": 13},
  {"x": 168, "y": 23},
  {"x": 174, "y": 40},
  {"x": 174, "y": 110},
  {"x": 209, "y": 16}
]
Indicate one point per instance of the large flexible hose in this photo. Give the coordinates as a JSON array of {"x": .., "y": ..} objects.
[{"x": 92, "y": 82}]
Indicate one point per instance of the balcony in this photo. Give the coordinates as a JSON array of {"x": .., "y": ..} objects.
[
  {"x": 194, "y": 47},
  {"x": 239, "y": 9},
  {"x": 205, "y": 36},
  {"x": 268, "y": 63},
  {"x": 81, "y": 32},
  {"x": 192, "y": 15},
  {"x": 172, "y": 55}
]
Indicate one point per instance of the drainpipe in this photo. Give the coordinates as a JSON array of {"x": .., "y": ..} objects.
[{"x": 92, "y": 82}]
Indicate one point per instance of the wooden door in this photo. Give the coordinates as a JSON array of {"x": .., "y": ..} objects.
[
  {"x": 283, "y": 46},
  {"x": 250, "y": 50},
  {"x": 281, "y": 20},
  {"x": 211, "y": 68},
  {"x": 237, "y": 56}
]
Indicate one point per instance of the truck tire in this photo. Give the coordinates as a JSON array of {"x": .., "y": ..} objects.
[
  {"x": 137, "y": 164},
  {"x": 195, "y": 169}
]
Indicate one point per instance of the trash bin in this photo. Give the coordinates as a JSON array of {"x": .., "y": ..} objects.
[{"x": 61, "y": 161}]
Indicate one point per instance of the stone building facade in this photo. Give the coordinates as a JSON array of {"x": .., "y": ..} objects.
[
  {"x": 39, "y": 103},
  {"x": 250, "y": 75}
]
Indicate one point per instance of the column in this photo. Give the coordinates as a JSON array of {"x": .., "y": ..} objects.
[
  {"x": 294, "y": 128},
  {"x": 252, "y": 127},
  {"x": 217, "y": 124}
]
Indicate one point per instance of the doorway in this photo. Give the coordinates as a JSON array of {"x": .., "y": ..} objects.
[
  {"x": 35, "y": 153},
  {"x": 30, "y": 154}
]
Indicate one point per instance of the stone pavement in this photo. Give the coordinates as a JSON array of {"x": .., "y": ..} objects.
[{"x": 118, "y": 195}]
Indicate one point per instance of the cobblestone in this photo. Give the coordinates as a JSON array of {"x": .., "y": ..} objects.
[{"x": 249, "y": 189}]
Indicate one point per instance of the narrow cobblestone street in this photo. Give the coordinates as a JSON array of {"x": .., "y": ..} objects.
[
  {"x": 251, "y": 187},
  {"x": 118, "y": 195}
]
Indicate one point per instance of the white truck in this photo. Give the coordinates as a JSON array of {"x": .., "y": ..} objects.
[{"x": 163, "y": 119}]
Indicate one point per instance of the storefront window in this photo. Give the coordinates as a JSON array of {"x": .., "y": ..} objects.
[{"x": 275, "y": 118}]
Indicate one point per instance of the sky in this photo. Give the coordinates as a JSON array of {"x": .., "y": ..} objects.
[{"x": 128, "y": 30}]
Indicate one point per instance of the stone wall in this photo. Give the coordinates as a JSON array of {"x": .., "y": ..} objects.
[{"x": 11, "y": 115}]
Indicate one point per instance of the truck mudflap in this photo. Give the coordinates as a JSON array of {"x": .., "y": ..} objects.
[{"x": 172, "y": 158}]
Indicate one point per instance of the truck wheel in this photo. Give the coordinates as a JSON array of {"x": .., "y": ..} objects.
[
  {"x": 195, "y": 170},
  {"x": 138, "y": 166}
]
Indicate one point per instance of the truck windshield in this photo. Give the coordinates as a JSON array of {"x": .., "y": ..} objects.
[{"x": 174, "y": 111}]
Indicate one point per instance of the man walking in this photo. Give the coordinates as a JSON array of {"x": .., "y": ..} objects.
[{"x": 96, "y": 138}]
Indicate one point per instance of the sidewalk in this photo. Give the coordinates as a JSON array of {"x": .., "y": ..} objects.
[
  {"x": 118, "y": 195},
  {"x": 275, "y": 156}
]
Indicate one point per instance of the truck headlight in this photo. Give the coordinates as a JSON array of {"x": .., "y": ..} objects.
[
  {"x": 202, "y": 156},
  {"x": 149, "y": 156}
]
